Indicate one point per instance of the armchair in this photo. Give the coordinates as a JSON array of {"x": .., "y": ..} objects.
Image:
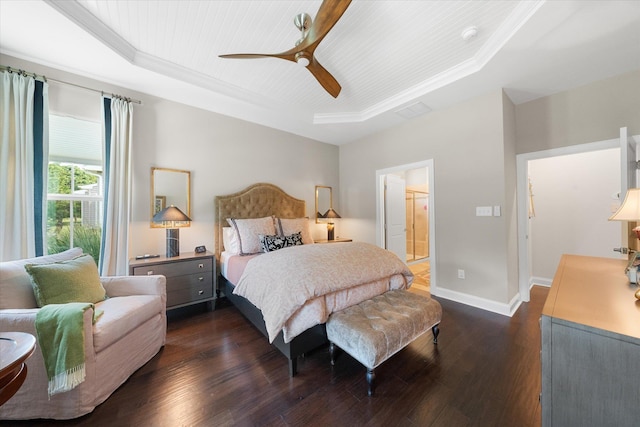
[{"x": 131, "y": 331}]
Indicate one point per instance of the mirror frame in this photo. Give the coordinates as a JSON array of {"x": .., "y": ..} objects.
[
  {"x": 318, "y": 187},
  {"x": 153, "y": 196}
]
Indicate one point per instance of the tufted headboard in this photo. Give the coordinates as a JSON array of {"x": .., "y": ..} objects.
[{"x": 256, "y": 201}]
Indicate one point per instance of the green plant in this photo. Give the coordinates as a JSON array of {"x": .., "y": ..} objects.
[{"x": 87, "y": 238}]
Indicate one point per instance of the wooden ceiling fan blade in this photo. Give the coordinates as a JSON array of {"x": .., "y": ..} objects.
[
  {"x": 329, "y": 13},
  {"x": 284, "y": 55},
  {"x": 328, "y": 82}
]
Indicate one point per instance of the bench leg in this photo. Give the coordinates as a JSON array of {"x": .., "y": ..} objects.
[
  {"x": 371, "y": 377},
  {"x": 436, "y": 332},
  {"x": 332, "y": 353}
]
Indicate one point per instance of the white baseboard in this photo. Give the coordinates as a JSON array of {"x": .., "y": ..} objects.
[
  {"x": 541, "y": 281},
  {"x": 482, "y": 303}
]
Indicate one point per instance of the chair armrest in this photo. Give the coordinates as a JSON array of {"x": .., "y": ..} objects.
[
  {"x": 18, "y": 320},
  {"x": 24, "y": 320},
  {"x": 121, "y": 286}
]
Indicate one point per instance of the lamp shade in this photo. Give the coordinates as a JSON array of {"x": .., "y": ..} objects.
[
  {"x": 169, "y": 216},
  {"x": 331, "y": 214},
  {"x": 630, "y": 208}
]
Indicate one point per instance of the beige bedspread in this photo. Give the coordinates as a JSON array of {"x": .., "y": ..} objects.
[{"x": 309, "y": 282}]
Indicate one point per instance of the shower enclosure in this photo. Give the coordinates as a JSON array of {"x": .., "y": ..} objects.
[{"x": 417, "y": 225}]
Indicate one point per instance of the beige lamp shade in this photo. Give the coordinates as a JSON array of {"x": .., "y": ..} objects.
[
  {"x": 331, "y": 214},
  {"x": 630, "y": 208}
]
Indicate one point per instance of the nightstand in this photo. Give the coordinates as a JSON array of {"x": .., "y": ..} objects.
[
  {"x": 336, "y": 240},
  {"x": 190, "y": 277}
]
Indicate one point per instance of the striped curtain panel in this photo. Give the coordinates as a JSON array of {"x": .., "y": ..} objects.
[
  {"x": 114, "y": 251},
  {"x": 24, "y": 133}
]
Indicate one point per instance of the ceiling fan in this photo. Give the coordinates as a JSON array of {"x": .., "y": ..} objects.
[{"x": 328, "y": 14}]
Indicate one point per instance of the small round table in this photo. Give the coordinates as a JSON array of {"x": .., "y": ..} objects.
[{"x": 15, "y": 349}]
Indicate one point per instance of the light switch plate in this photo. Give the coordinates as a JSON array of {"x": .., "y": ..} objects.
[{"x": 483, "y": 210}]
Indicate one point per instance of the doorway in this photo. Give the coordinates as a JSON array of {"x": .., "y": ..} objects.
[
  {"x": 405, "y": 195},
  {"x": 525, "y": 195}
]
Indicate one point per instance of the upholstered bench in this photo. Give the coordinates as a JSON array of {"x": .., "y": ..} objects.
[{"x": 376, "y": 329}]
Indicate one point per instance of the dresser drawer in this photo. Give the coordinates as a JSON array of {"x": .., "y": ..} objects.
[
  {"x": 189, "y": 288},
  {"x": 178, "y": 268}
]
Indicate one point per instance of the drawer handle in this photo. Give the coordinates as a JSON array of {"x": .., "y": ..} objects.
[
  {"x": 150, "y": 273},
  {"x": 200, "y": 265},
  {"x": 200, "y": 279},
  {"x": 200, "y": 292}
]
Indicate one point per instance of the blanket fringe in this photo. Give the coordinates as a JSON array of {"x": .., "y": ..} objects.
[{"x": 66, "y": 381}]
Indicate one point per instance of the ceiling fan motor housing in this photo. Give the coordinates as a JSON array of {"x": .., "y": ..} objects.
[{"x": 303, "y": 58}]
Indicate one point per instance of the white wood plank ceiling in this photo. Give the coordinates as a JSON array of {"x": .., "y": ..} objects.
[{"x": 385, "y": 54}]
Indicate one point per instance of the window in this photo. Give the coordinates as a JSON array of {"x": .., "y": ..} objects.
[{"x": 75, "y": 189}]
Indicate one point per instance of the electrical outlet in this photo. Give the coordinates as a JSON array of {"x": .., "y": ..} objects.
[{"x": 460, "y": 274}]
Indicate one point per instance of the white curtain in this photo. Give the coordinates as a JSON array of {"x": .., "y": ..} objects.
[
  {"x": 118, "y": 116},
  {"x": 23, "y": 166}
]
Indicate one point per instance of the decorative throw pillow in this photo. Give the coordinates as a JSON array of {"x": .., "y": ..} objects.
[
  {"x": 75, "y": 280},
  {"x": 270, "y": 243},
  {"x": 288, "y": 226},
  {"x": 248, "y": 232},
  {"x": 230, "y": 240},
  {"x": 273, "y": 243}
]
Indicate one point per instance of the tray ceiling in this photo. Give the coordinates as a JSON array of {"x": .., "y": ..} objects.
[{"x": 387, "y": 55}]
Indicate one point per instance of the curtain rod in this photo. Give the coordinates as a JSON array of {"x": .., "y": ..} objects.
[{"x": 46, "y": 79}]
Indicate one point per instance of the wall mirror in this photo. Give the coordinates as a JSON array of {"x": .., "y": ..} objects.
[
  {"x": 170, "y": 187},
  {"x": 324, "y": 201}
]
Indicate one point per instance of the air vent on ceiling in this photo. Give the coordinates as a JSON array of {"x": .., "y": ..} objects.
[{"x": 413, "y": 110}]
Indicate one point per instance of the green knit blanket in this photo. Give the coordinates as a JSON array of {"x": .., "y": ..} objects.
[{"x": 60, "y": 332}]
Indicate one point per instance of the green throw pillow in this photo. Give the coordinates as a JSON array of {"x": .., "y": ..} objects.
[{"x": 75, "y": 280}]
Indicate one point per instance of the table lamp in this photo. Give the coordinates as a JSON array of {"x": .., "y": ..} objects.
[
  {"x": 331, "y": 214},
  {"x": 630, "y": 211},
  {"x": 169, "y": 217}
]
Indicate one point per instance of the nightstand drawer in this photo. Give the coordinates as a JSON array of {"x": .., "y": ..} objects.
[
  {"x": 190, "y": 278},
  {"x": 172, "y": 269},
  {"x": 189, "y": 288}
]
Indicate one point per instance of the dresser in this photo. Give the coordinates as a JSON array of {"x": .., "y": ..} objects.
[
  {"x": 590, "y": 329},
  {"x": 190, "y": 277}
]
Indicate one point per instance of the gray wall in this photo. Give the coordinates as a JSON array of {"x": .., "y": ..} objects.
[
  {"x": 223, "y": 154},
  {"x": 589, "y": 113},
  {"x": 468, "y": 147},
  {"x": 473, "y": 145}
]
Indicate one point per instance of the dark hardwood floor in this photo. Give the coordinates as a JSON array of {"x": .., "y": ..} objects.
[{"x": 217, "y": 370}]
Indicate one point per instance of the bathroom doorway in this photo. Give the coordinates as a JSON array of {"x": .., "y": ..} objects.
[{"x": 415, "y": 204}]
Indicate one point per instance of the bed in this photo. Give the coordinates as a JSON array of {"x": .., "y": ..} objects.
[{"x": 267, "y": 200}]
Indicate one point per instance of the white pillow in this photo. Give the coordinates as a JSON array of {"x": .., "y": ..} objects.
[
  {"x": 248, "y": 233},
  {"x": 287, "y": 227},
  {"x": 230, "y": 240}
]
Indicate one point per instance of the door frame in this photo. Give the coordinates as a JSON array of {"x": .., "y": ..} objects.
[
  {"x": 522, "y": 194},
  {"x": 380, "y": 234}
]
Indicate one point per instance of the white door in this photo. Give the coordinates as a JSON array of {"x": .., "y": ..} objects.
[
  {"x": 628, "y": 172},
  {"x": 396, "y": 216},
  {"x": 628, "y": 167}
]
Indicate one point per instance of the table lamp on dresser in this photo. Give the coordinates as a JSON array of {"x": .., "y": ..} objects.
[{"x": 630, "y": 211}]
